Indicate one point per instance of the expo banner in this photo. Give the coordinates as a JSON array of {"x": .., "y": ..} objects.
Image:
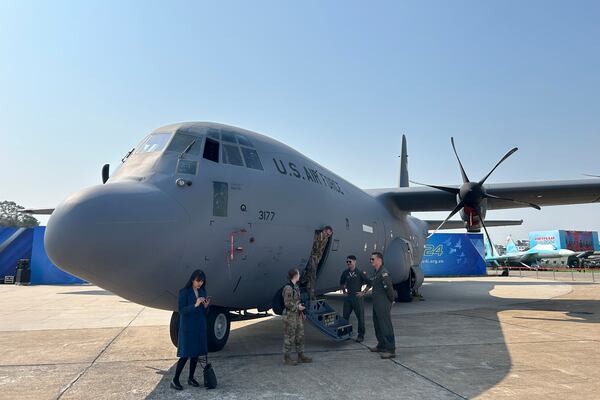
[{"x": 454, "y": 254}]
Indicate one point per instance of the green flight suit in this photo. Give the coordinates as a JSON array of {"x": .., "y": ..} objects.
[
  {"x": 353, "y": 281},
  {"x": 383, "y": 298}
]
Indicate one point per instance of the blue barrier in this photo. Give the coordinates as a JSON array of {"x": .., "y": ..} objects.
[
  {"x": 43, "y": 271},
  {"x": 30, "y": 244},
  {"x": 454, "y": 254},
  {"x": 19, "y": 247}
]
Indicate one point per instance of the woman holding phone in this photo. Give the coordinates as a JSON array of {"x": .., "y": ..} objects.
[{"x": 192, "y": 342}]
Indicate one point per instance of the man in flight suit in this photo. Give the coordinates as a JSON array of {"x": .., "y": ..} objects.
[
  {"x": 352, "y": 282},
  {"x": 319, "y": 244},
  {"x": 383, "y": 298}
]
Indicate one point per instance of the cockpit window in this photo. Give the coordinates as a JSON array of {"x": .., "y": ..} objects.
[
  {"x": 181, "y": 142},
  {"x": 252, "y": 159},
  {"x": 243, "y": 140},
  {"x": 213, "y": 134},
  {"x": 211, "y": 150},
  {"x": 154, "y": 142},
  {"x": 236, "y": 149},
  {"x": 231, "y": 155},
  {"x": 227, "y": 137}
]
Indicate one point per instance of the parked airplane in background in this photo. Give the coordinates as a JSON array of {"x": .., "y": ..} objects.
[
  {"x": 541, "y": 255},
  {"x": 244, "y": 208}
]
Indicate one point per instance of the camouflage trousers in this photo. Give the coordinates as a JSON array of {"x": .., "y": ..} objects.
[
  {"x": 311, "y": 275},
  {"x": 293, "y": 332}
]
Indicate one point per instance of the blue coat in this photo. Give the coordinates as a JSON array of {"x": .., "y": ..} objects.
[{"x": 192, "y": 325}]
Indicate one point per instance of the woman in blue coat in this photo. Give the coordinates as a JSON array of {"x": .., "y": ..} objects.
[{"x": 192, "y": 343}]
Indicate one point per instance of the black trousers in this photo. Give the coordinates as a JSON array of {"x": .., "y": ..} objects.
[
  {"x": 356, "y": 304},
  {"x": 181, "y": 364}
]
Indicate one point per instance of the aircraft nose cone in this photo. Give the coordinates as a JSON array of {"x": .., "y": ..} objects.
[{"x": 115, "y": 233}]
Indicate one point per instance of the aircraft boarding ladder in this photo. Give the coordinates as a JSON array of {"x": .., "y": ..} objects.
[{"x": 327, "y": 320}]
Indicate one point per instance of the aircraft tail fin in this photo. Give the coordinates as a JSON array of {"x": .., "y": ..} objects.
[
  {"x": 511, "y": 247},
  {"x": 403, "y": 164}
]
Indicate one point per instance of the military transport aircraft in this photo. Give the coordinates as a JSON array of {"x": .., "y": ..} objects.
[{"x": 244, "y": 208}]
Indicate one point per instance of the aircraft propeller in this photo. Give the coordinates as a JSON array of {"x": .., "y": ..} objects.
[{"x": 471, "y": 194}]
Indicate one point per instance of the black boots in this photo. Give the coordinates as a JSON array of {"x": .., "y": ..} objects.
[{"x": 176, "y": 385}]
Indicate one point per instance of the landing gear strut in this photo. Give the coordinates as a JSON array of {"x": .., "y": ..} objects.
[
  {"x": 218, "y": 325},
  {"x": 404, "y": 290}
]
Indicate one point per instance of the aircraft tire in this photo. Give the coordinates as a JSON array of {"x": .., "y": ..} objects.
[
  {"x": 218, "y": 326},
  {"x": 404, "y": 290},
  {"x": 174, "y": 328}
]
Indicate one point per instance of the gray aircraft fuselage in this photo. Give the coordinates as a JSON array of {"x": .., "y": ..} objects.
[{"x": 245, "y": 220}]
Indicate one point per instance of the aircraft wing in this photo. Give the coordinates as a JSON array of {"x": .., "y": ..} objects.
[
  {"x": 549, "y": 193},
  {"x": 460, "y": 224},
  {"x": 525, "y": 259},
  {"x": 584, "y": 254}
]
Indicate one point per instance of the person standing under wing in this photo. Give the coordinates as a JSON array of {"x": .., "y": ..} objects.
[
  {"x": 383, "y": 298},
  {"x": 352, "y": 281}
]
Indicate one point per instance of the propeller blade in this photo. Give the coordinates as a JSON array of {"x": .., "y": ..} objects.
[
  {"x": 486, "y": 232},
  {"x": 593, "y": 176},
  {"x": 40, "y": 211},
  {"x": 444, "y": 188},
  {"x": 105, "y": 172},
  {"x": 458, "y": 207},
  {"x": 510, "y": 152},
  {"x": 491, "y": 196},
  {"x": 462, "y": 170}
]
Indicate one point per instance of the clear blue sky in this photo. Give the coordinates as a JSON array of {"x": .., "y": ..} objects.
[{"x": 83, "y": 82}]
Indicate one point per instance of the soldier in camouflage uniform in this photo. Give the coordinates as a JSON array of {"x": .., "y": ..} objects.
[
  {"x": 319, "y": 244},
  {"x": 383, "y": 298},
  {"x": 293, "y": 327},
  {"x": 352, "y": 282}
]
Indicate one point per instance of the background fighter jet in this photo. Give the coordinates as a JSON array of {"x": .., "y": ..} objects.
[
  {"x": 536, "y": 256},
  {"x": 244, "y": 207}
]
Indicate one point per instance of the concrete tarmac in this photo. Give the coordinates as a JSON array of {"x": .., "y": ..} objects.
[{"x": 485, "y": 338}]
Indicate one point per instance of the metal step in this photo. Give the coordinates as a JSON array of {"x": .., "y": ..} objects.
[{"x": 327, "y": 320}]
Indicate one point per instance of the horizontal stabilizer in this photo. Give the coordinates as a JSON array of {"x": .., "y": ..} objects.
[{"x": 453, "y": 224}]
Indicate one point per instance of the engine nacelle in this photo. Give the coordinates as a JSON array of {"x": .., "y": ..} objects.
[{"x": 471, "y": 216}]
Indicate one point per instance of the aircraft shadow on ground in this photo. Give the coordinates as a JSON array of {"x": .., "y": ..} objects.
[
  {"x": 98, "y": 292},
  {"x": 480, "y": 359}
]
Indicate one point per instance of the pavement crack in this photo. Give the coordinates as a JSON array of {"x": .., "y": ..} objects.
[
  {"x": 422, "y": 376},
  {"x": 86, "y": 369},
  {"x": 428, "y": 379}
]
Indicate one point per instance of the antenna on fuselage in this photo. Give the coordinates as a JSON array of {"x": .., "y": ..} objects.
[{"x": 403, "y": 164}]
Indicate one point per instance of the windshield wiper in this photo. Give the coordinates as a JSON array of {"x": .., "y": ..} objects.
[
  {"x": 187, "y": 148},
  {"x": 127, "y": 155}
]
